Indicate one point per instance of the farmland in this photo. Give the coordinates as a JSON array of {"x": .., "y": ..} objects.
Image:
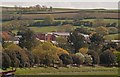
[{"x": 79, "y": 46}]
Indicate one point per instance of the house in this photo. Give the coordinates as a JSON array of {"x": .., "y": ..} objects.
[
  {"x": 51, "y": 36},
  {"x": 45, "y": 37},
  {"x": 10, "y": 38}
]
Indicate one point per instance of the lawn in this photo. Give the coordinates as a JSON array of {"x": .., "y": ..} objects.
[{"x": 68, "y": 71}]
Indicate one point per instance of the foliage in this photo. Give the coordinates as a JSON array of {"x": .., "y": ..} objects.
[
  {"x": 46, "y": 53},
  {"x": 6, "y": 61},
  {"x": 96, "y": 38},
  {"x": 113, "y": 30},
  {"x": 17, "y": 55},
  {"x": 109, "y": 45},
  {"x": 27, "y": 40},
  {"x": 95, "y": 56},
  {"x": 83, "y": 50},
  {"x": 81, "y": 57},
  {"x": 102, "y": 30},
  {"x": 82, "y": 30},
  {"x": 66, "y": 59},
  {"x": 76, "y": 59},
  {"x": 63, "y": 43},
  {"x": 107, "y": 57},
  {"x": 48, "y": 20},
  {"x": 88, "y": 59},
  {"x": 118, "y": 57},
  {"x": 77, "y": 40},
  {"x": 16, "y": 24}
]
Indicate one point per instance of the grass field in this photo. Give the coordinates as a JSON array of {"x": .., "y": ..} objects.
[
  {"x": 44, "y": 29},
  {"x": 47, "y": 28},
  {"x": 112, "y": 37},
  {"x": 68, "y": 71},
  {"x": 106, "y": 20}
]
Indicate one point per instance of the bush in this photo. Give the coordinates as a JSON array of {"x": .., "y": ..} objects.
[
  {"x": 118, "y": 57},
  {"x": 81, "y": 57},
  {"x": 108, "y": 58},
  {"x": 83, "y": 50},
  {"x": 113, "y": 30},
  {"x": 88, "y": 59},
  {"x": 66, "y": 59},
  {"x": 94, "y": 56},
  {"x": 76, "y": 59}
]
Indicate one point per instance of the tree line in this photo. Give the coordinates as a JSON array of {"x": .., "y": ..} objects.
[{"x": 74, "y": 51}]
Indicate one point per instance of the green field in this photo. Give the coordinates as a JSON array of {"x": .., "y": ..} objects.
[
  {"x": 106, "y": 20},
  {"x": 49, "y": 28},
  {"x": 44, "y": 29},
  {"x": 112, "y": 37},
  {"x": 68, "y": 71}
]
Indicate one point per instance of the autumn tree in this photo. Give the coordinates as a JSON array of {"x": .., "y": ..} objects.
[
  {"x": 83, "y": 50},
  {"x": 48, "y": 54}
]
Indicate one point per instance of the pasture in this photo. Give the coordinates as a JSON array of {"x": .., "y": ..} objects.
[{"x": 68, "y": 71}]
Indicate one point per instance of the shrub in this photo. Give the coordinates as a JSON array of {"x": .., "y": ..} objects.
[
  {"x": 81, "y": 57},
  {"x": 88, "y": 59},
  {"x": 118, "y": 57},
  {"x": 112, "y": 30},
  {"x": 107, "y": 57},
  {"x": 76, "y": 59},
  {"x": 83, "y": 50},
  {"x": 66, "y": 59},
  {"x": 94, "y": 56}
]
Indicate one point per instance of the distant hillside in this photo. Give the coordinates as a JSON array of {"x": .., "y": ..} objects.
[{"x": 58, "y": 13}]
